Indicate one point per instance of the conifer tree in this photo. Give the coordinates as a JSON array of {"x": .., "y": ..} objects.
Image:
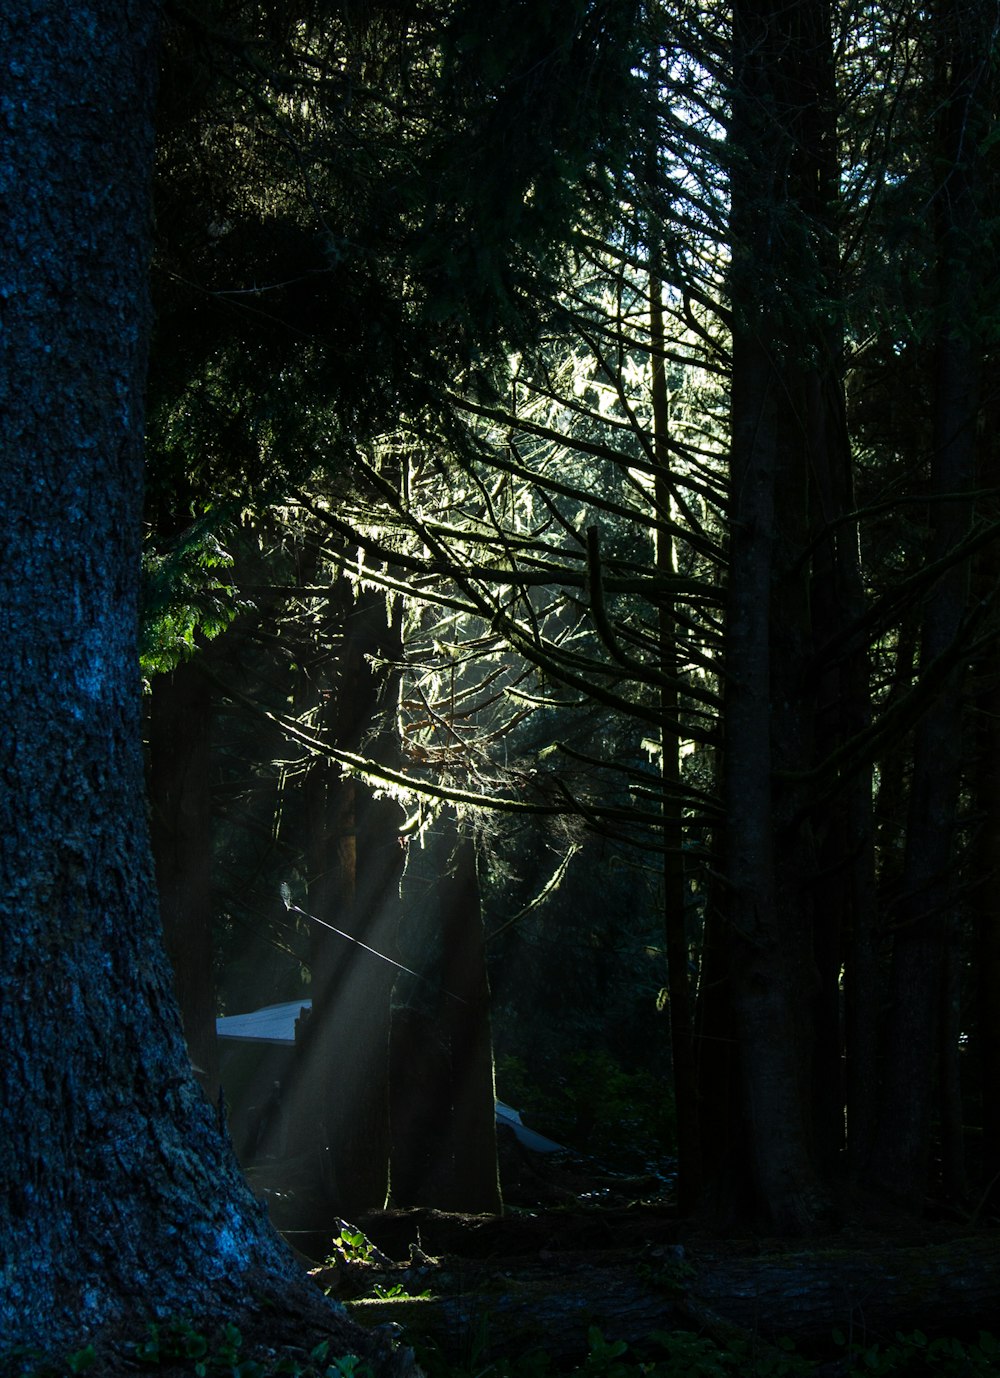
[{"x": 121, "y": 1198}]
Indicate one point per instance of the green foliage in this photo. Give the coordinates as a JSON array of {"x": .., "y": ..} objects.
[
  {"x": 696, "y": 1356},
  {"x": 353, "y": 1246},
  {"x": 341, "y": 1366},
  {"x": 607, "y": 1359},
  {"x": 616, "y": 1114},
  {"x": 184, "y": 597},
  {"x": 667, "y": 1354},
  {"x": 915, "y": 1354},
  {"x": 681, "y": 1352},
  {"x": 684, "y": 1354},
  {"x": 397, "y": 1292},
  {"x": 181, "y": 1341}
]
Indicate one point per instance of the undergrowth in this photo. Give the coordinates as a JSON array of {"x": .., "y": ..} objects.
[
  {"x": 181, "y": 1346},
  {"x": 684, "y": 1354}
]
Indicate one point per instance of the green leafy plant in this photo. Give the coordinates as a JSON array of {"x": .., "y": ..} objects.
[
  {"x": 606, "y": 1359},
  {"x": 683, "y": 1354},
  {"x": 397, "y": 1292},
  {"x": 352, "y": 1246},
  {"x": 347, "y": 1366},
  {"x": 180, "y": 1340},
  {"x": 915, "y": 1354}
]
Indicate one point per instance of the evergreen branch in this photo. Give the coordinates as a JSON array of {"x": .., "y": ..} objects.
[
  {"x": 623, "y": 462},
  {"x": 375, "y": 772}
]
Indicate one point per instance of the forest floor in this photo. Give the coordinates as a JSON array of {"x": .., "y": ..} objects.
[
  {"x": 590, "y": 1271},
  {"x": 584, "y": 1258}
]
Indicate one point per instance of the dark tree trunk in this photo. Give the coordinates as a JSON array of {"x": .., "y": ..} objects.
[
  {"x": 725, "y": 1167},
  {"x": 780, "y": 166},
  {"x": 950, "y": 1107},
  {"x": 925, "y": 916},
  {"x": 180, "y": 801},
  {"x": 984, "y": 899},
  {"x": 119, "y": 1197},
  {"x": 682, "y": 1057},
  {"x": 442, "y": 1098},
  {"x": 340, "y": 1097},
  {"x": 844, "y": 907},
  {"x": 986, "y": 1045}
]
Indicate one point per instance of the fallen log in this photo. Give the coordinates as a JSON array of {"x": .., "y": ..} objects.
[
  {"x": 519, "y": 1315},
  {"x": 869, "y": 1295},
  {"x": 478, "y": 1309}
]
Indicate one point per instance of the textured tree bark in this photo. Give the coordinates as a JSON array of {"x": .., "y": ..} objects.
[
  {"x": 442, "y": 1099},
  {"x": 119, "y": 1196}
]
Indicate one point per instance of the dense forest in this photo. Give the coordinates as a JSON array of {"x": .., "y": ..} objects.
[
  {"x": 567, "y": 624},
  {"x": 656, "y": 510}
]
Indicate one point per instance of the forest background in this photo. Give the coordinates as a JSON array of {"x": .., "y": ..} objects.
[
  {"x": 570, "y": 452},
  {"x": 629, "y": 563}
]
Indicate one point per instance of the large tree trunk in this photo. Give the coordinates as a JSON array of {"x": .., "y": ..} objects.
[
  {"x": 926, "y": 914},
  {"x": 119, "y": 1196},
  {"x": 769, "y": 703}
]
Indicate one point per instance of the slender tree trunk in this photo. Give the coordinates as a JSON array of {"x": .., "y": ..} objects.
[
  {"x": 953, "y": 1176},
  {"x": 181, "y": 833},
  {"x": 725, "y": 1166},
  {"x": 984, "y": 900},
  {"x": 843, "y": 890},
  {"x": 824, "y": 828},
  {"x": 442, "y": 1098},
  {"x": 986, "y": 944},
  {"x": 340, "y": 1110},
  {"x": 674, "y": 906}
]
